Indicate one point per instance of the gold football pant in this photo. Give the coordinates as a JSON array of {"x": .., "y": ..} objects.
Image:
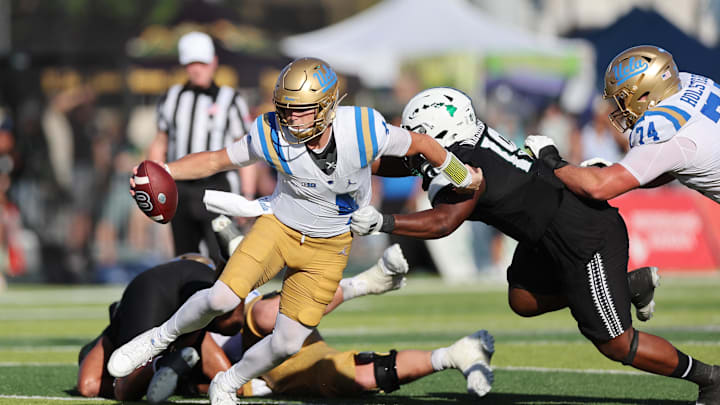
[
  {"x": 314, "y": 267},
  {"x": 317, "y": 369}
]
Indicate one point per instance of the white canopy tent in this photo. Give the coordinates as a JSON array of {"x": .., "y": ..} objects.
[{"x": 374, "y": 43}]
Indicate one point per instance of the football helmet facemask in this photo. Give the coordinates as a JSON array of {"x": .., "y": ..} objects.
[
  {"x": 638, "y": 79},
  {"x": 307, "y": 83},
  {"x": 444, "y": 113}
]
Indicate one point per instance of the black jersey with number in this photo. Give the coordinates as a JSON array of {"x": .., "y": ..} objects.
[{"x": 522, "y": 195}]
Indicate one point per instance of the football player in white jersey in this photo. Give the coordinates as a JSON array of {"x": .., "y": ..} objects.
[
  {"x": 323, "y": 155},
  {"x": 671, "y": 120}
]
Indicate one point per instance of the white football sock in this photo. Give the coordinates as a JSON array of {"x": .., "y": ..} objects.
[
  {"x": 387, "y": 275},
  {"x": 199, "y": 310},
  {"x": 263, "y": 356},
  {"x": 353, "y": 288},
  {"x": 440, "y": 359}
]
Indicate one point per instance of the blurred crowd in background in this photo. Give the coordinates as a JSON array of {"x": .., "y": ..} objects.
[{"x": 80, "y": 80}]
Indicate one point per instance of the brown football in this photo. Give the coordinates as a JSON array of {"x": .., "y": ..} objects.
[{"x": 155, "y": 192}]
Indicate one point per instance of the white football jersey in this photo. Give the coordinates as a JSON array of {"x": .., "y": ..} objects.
[
  {"x": 680, "y": 136},
  {"x": 305, "y": 198}
]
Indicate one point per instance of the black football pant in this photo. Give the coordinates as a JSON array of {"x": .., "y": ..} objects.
[{"x": 192, "y": 222}]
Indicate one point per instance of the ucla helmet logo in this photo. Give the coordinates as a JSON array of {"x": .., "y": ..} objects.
[
  {"x": 307, "y": 83},
  {"x": 638, "y": 79}
]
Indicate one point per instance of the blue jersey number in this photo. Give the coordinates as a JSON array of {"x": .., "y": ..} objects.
[
  {"x": 346, "y": 204},
  {"x": 710, "y": 109},
  {"x": 652, "y": 133},
  {"x": 639, "y": 132}
]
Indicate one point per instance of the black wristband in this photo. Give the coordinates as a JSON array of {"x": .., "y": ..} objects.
[
  {"x": 551, "y": 157},
  {"x": 388, "y": 224}
]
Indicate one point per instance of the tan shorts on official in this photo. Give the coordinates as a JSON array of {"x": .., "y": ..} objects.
[{"x": 315, "y": 267}]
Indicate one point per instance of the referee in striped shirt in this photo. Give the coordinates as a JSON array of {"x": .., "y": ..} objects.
[{"x": 194, "y": 117}]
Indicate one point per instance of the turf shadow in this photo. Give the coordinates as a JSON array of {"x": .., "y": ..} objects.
[
  {"x": 444, "y": 397},
  {"x": 511, "y": 399},
  {"x": 435, "y": 398}
]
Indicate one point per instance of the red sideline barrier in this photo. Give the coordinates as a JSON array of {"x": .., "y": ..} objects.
[{"x": 671, "y": 227}]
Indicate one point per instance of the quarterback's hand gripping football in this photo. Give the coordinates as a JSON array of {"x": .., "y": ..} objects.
[
  {"x": 134, "y": 173},
  {"x": 366, "y": 221},
  {"x": 543, "y": 148},
  {"x": 596, "y": 162}
]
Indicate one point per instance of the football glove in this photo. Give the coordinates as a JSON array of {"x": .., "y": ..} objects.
[
  {"x": 366, "y": 221},
  {"x": 596, "y": 161},
  {"x": 543, "y": 148}
]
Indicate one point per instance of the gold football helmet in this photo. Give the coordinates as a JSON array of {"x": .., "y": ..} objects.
[
  {"x": 638, "y": 79},
  {"x": 307, "y": 83}
]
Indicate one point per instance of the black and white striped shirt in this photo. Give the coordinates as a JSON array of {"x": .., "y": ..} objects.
[{"x": 198, "y": 120}]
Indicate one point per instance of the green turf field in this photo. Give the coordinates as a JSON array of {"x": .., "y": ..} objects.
[{"x": 537, "y": 361}]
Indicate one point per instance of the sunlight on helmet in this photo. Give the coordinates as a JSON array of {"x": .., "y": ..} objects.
[
  {"x": 637, "y": 80},
  {"x": 444, "y": 113},
  {"x": 307, "y": 84}
]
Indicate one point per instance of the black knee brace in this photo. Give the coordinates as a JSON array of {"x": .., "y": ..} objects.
[
  {"x": 384, "y": 367},
  {"x": 627, "y": 361}
]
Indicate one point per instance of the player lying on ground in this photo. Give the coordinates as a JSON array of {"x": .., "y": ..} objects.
[
  {"x": 159, "y": 291},
  {"x": 322, "y": 153},
  {"x": 347, "y": 373},
  {"x": 147, "y": 301},
  {"x": 572, "y": 252},
  {"x": 320, "y": 370}
]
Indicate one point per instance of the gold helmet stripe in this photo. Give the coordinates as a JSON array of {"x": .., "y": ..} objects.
[
  {"x": 366, "y": 136},
  {"x": 676, "y": 116},
  {"x": 270, "y": 143}
]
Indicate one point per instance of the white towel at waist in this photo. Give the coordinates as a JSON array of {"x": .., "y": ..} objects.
[{"x": 235, "y": 205}]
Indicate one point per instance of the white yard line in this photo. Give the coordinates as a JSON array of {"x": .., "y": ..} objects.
[
  {"x": 179, "y": 401},
  {"x": 585, "y": 343},
  {"x": 74, "y": 399},
  {"x": 34, "y": 364},
  {"x": 30, "y": 349},
  {"x": 569, "y": 370}
]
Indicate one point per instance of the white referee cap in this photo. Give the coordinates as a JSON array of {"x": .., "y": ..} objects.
[{"x": 196, "y": 47}]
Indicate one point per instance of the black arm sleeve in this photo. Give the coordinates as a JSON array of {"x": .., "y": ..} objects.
[
  {"x": 448, "y": 195},
  {"x": 391, "y": 166}
]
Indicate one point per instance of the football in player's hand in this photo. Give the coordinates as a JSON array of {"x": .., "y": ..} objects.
[{"x": 155, "y": 192}]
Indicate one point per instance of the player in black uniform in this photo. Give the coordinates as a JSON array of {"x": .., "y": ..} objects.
[
  {"x": 156, "y": 293},
  {"x": 572, "y": 252},
  {"x": 147, "y": 301}
]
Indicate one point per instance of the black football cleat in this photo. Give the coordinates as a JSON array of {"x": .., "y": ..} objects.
[
  {"x": 642, "y": 283},
  {"x": 170, "y": 368},
  {"x": 710, "y": 394}
]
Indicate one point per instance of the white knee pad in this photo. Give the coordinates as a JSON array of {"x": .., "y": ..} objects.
[
  {"x": 221, "y": 298},
  {"x": 288, "y": 337}
]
